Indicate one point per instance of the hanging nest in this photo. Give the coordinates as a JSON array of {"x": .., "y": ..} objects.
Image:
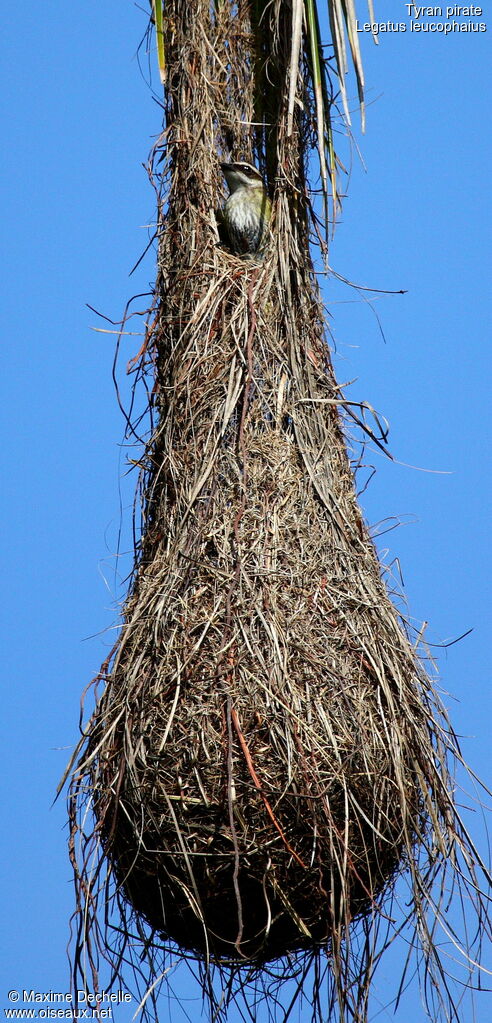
[
  {"x": 268, "y": 754},
  {"x": 258, "y": 742}
]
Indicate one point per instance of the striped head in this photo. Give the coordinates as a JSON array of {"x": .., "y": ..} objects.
[
  {"x": 242, "y": 175},
  {"x": 247, "y": 211}
]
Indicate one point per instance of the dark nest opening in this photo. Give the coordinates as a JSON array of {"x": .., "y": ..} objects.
[{"x": 268, "y": 754}]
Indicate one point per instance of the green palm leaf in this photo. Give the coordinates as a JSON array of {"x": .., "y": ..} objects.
[{"x": 157, "y": 10}]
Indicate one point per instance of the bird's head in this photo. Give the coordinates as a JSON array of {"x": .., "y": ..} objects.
[{"x": 242, "y": 175}]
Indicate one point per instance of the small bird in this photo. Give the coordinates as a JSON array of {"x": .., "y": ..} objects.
[{"x": 247, "y": 211}]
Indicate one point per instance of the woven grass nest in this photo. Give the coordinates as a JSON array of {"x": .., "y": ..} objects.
[
  {"x": 268, "y": 759},
  {"x": 255, "y": 754}
]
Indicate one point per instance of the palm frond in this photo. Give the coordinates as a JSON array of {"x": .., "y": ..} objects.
[{"x": 157, "y": 9}]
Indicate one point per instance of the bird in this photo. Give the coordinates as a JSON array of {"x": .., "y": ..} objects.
[{"x": 247, "y": 211}]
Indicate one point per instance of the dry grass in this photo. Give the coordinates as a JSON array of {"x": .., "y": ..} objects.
[{"x": 268, "y": 754}]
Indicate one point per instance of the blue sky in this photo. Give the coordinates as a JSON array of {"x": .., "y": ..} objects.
[{"x": 78, "y": 121}]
